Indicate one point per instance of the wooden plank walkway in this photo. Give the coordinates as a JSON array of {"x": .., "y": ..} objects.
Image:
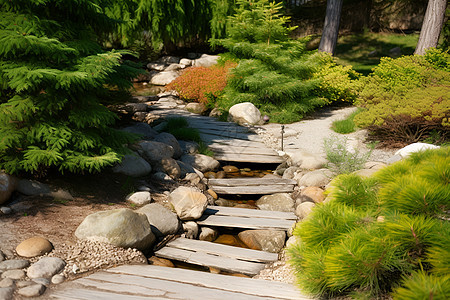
[
  {"x": 223, "y": 257},
  {"x": 228, "y": 141},
  {"x": 139, "y": 282},
  {"x": 220, "y": 216},
  {"x": 248, "y": 186}
]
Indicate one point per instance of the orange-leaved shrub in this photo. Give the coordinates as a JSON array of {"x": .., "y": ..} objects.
[{"x": 199, "y": 84}]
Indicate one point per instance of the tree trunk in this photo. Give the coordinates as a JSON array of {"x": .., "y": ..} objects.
[
  {"x": 432, "y": 26},
  {"x": 331, "y": 26}
]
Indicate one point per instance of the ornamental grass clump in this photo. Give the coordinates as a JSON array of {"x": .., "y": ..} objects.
[{"x": 385, "y": 234}]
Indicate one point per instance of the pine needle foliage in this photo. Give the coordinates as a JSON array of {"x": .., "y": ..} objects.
[
  {"x": 381, "y": 234},
  {"x": 54, "y": 83}
]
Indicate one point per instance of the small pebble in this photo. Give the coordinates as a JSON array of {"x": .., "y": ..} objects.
[
  {"x": 32, "y": 290},
  {"x": 6, "y": 210}
]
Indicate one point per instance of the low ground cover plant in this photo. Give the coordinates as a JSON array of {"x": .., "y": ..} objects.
[
  {"x": 346, "y": 125},
  {"x": 385, "y": 234}
]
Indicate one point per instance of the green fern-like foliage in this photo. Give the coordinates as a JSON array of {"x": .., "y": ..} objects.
[
  {"x": 54, "y": 84},
  {"x": 388, "y": 233}
]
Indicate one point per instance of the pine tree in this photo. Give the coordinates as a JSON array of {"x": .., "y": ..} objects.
[{"x": 54, "y": 82}]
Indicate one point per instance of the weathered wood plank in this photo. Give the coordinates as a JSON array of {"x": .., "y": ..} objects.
[
  {"x": 219, "y": 148},
  {"x": 208, "y": 260},
  {"x": 262, "y": 159},
  {"x": 249, "y": 213},
  {"x": 253, "y": 190},
  {"x": 244, "y": 222},
  {"x": 170, "y": 288},
  {"x": 250, "y": 181},
  {"x": 258, "y": 287},
  {"x": 215, "y": 137},
  {"x": 228, "y": 132},
  {"x": 223, "y": 250},
  {"x": 233, "y": 142},
  {"x": 85, "y": 294}
]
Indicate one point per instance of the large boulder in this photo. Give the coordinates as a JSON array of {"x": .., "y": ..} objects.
[
  {"x": 276, "y": 202},
  {"x": 33, "y": 188},
  {"x": 162, "y": 221},
  {"x": 133, "y": 165},
  {"x": 415, "y": 147},
  {"x": 306, "y": 160},
  {"x": 319, "y": 178},
  {"x": 153, "y": 151},
  {"x": 164, "y": 78},
  {"x": 7, "y": 186},
  {"x": 46, "y": 267},
  {"x": 205, "y": 61},
  {"x": 201, "y": 162},
  {"x": 142, "y": 129},
  {"x": 35, "y": 246},
  {"x": 262, "y": 239},
  {"x": 120, "y": 227},
  {"x": 244, "y": 113},
  {"x": 170, "y": 140},
  {"x": 170, "y": 167},
  {"x": 188, "y": 203}
]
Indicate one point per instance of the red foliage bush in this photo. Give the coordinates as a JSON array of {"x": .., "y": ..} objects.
[{"x": 199, "y": 83}]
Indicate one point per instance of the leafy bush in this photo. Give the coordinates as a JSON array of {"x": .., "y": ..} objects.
[
  {"x": 407, "y": 98},
  {"x": 370, "y": 237},
  {"x": 202, "y": 84},
  {"x": 54, "y": 82}
]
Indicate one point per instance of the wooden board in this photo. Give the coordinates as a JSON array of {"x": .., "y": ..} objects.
[
  {"x": 223, "y": 250},
  {"x": 250, "y": 181},
  {"x": 249, "y": 213},
  {"x": 209, "y": 260},
  {"x": 262, "y": 159},
  {"x": 87, "y": 294},
  {"x": 244, "y": 222},
  {"x": 253, "y": 190},
  {"x": 217, "y": 147}
]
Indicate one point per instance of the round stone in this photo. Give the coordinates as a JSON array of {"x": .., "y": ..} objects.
[{"x": 34, "y": 246}]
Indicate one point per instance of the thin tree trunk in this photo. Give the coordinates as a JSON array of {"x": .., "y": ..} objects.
[
  {"x": 431, "y": 26},
  {"x": 331, "y": 26}
]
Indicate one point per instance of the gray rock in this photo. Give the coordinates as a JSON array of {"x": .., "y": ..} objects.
[
  {"x": 14, "y": 274},
  {"x": 164, "y": 78},
  {"x": 306, "y": 160},
  {"x": 170, "y": 140},
  {"x": 185, "y": 168},
  {"x": 170, "y": 167},
  {"x": 175, "y": 67},
  {"x": 215, "y": 112},
  {"x": 304, "y": 209},
  {"x": 154, "y": 151},
  {"x": 6, "y": 282},
  {"x": 394, "y": 159},
  {"x": 415, "y": 147},
  {"x": 7, "y": 186},
  {"x": 265, "y": 240},
  {"x": 196, "y": 108},
  {"x": 43, "y": 281},
  {"x": 21, "y": 284},
  {"x": 208, "y": 234},
  {"x": 5, "y": 210},
  {"x": 133, "y": 165},
  {"x": 365, "y": 172},
  {"x": 140, "y": 198},
  {"x": 46, "y": 267},
  {"x": 205, "y": 60},
  {"x": 290, "y": 172},
  {"x": 192, "y": 178},
  {"x": 244, "y": 113},
  {"x": 188, "y": 147},
  {"x": 120, "y": 227},
  {"x": 156, "y": 66},
  {"x": 162, "y": 221},
  {"x": 34, "y": 290},
  {"x": 186, "y": 62},
  {"x": 14, "y": 264},
  {"x": 6, "y": 293},
  {"x": 190, "y": 229},
  {"x": 201, "y": 162},
  {"x": 189, "y": 204},
  {"x": 32, "y": 188},
  {"x": 319, "y": 177},
  {"x": 58, "y": 278},
  {"x": 276, "y": 202},
  {"x": 161, "y": 176},
  {"x": 136, "y": 107},
  {"x": 142, "y": 129}
]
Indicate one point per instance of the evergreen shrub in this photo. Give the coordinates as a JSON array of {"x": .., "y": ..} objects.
[
  {"x": 55, "y": 81},
  {"x": 374, "y": 239},
  {"x": 407, "y": 98}
]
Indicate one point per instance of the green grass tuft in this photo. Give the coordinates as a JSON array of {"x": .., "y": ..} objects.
[{"x": 346, "y": 125}]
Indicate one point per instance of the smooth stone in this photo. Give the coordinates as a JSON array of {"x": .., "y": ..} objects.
[
  {"x": 43, "y": 281},
  {"x": 304, "y": 209},
  {"x": 276, "y": 202},
  {"x": 221, "y": 175},
  {"x": 190, "y": 229},
  {"x": 136, "y": 107},
  {"x": 32, "y": 290},
  {"x": 192, "y": 178},
  {"x": 262, "y": 239},
  {"x": 244, "y": 113},
  {"x": 156, "y": 66},
  {"x": 133, "y": 165},
  {"x": 6, "y": 293},
  {"x": 186, "y": 61},
  {"x": 21, "y": 284},
  {"x": 58, "y": 278},
  {"x": 225, "y": 202},
  {"x": 365, "y": 172},
  {"x": 230, "y": 169},
  {"x": 14, "y": 264},
  {"x": 377, "y": 165},
  {"x": 162, "y": 221},
  {"x": 201, "y": 162},
  {"x": 169, "y": 166},
  {"x": 316, "y": 178},
  {"x": 14, "y": 274},
  {"x": 208, "y": 234},
  {"x": 46, "y": 267},
  {"x": 161, "y": 176},
  {"x": 189, "y": 204},
  {"x": 153, "y": 151},
  {"x": 169, "y": 139},
  {"x": 35, "y": 246},
  {"x": 6, "y": 282},
  {"x": 32, "y": 188},
  {"x": 162, "y": 262},
  {"x": 306, "y": 160},
  {"x": 312, "y": 194},
  {"x": 164, "y": 78},
  {"x": 185, "y": 168},
  {"x": 415, "y": 147},
  {"x": 205, "y": 60},
  {"x": 7, "y": 186},
  {"x": 120, "y": 227},
  {"x": 175, "y": 67},
  {"x": 196, "y": 108},
  {"x": 142, "y": 129},
  {"x": 290, "y": 172},
  {"x": 213, "y": 194},
  {"x": 140, "y": 198},
  {"x": 6, "y": 210},
  {"x": 188, "y": 147}
]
